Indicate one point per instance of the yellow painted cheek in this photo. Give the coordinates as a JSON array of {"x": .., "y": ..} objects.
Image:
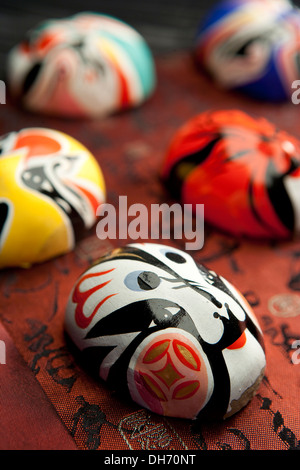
[{"x": 37, "y": 229}]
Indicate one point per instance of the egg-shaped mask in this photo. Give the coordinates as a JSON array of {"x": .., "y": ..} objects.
[
  {"x": 251, "y": 46},
  {"x": 86, "y": 66},
  {"x": 244, "y": 169},
  {"x": 50, "y": 189},
  {"x": 171, "y": 335}
]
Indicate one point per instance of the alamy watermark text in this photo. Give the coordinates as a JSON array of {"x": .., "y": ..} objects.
[{"x": 159, "y": 221}]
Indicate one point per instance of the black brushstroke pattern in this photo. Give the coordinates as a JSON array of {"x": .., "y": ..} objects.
[
  {"x": 278, "y": 194},
  {"x": 137, "y": 317},
  {"x": 263, "y": 222},
  {"x": 4, "y": 211},
  {"x": 136, "y": 254},
  {"x": 140, "y": 314},
  {"x": 274, "y": 180},
  {"x": 175, "y": 179},
  {"x": 28, "y": 179},
  {"x": 80, "y": 47},
  {"x": 31, "y": 77}
]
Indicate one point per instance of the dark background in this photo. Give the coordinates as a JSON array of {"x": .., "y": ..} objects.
[{"x": 167, "y": 25}]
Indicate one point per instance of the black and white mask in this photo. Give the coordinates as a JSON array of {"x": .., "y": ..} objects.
[{"x": 167, "y": 332}]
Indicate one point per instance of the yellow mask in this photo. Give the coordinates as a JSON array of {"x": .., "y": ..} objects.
[{"x": 50, "y": 188}]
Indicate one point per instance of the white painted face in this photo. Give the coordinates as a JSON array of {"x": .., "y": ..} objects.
[
  {"x": 86, "y": 65},
  {"x": 158, "y": 324},
  {"x": 248, "y": 40},
  {"x": 243, "y": 67}
]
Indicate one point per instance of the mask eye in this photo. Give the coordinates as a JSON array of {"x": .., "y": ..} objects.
[
  {"x": 142, "y": 280},
  {"x": 148, "y": 280},
  {"x": 173, "y": 256}
]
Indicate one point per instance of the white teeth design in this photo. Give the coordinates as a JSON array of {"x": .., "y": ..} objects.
[
  {"x": 63, "y": 204},
  {"x": 36, "y": 179},
  {"x": 47, "y": 186},
  {"x": 27, "y": 175}
]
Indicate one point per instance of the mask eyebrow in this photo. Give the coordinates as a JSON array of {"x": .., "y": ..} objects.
[
  {"x": 137, "y": 254},
  {"x": 172, "y": 280},
  {"x": 179, "y": 279},
  {"x": 140, "y": 255},
  {"x": 193, "y": 285}
]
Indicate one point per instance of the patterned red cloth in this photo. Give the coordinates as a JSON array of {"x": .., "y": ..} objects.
[{"x": 47, "y": 399}]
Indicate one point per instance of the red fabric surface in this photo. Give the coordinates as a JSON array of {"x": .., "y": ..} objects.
[
  {"x": 130, "y": 148},
  {"x": 28, "y": 419}
]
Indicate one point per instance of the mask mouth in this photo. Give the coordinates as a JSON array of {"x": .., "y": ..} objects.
[
  {"x": 239, "y": 343},
  {"x": 167, "y": 314},
  {"x": 234, "y": 336}
]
